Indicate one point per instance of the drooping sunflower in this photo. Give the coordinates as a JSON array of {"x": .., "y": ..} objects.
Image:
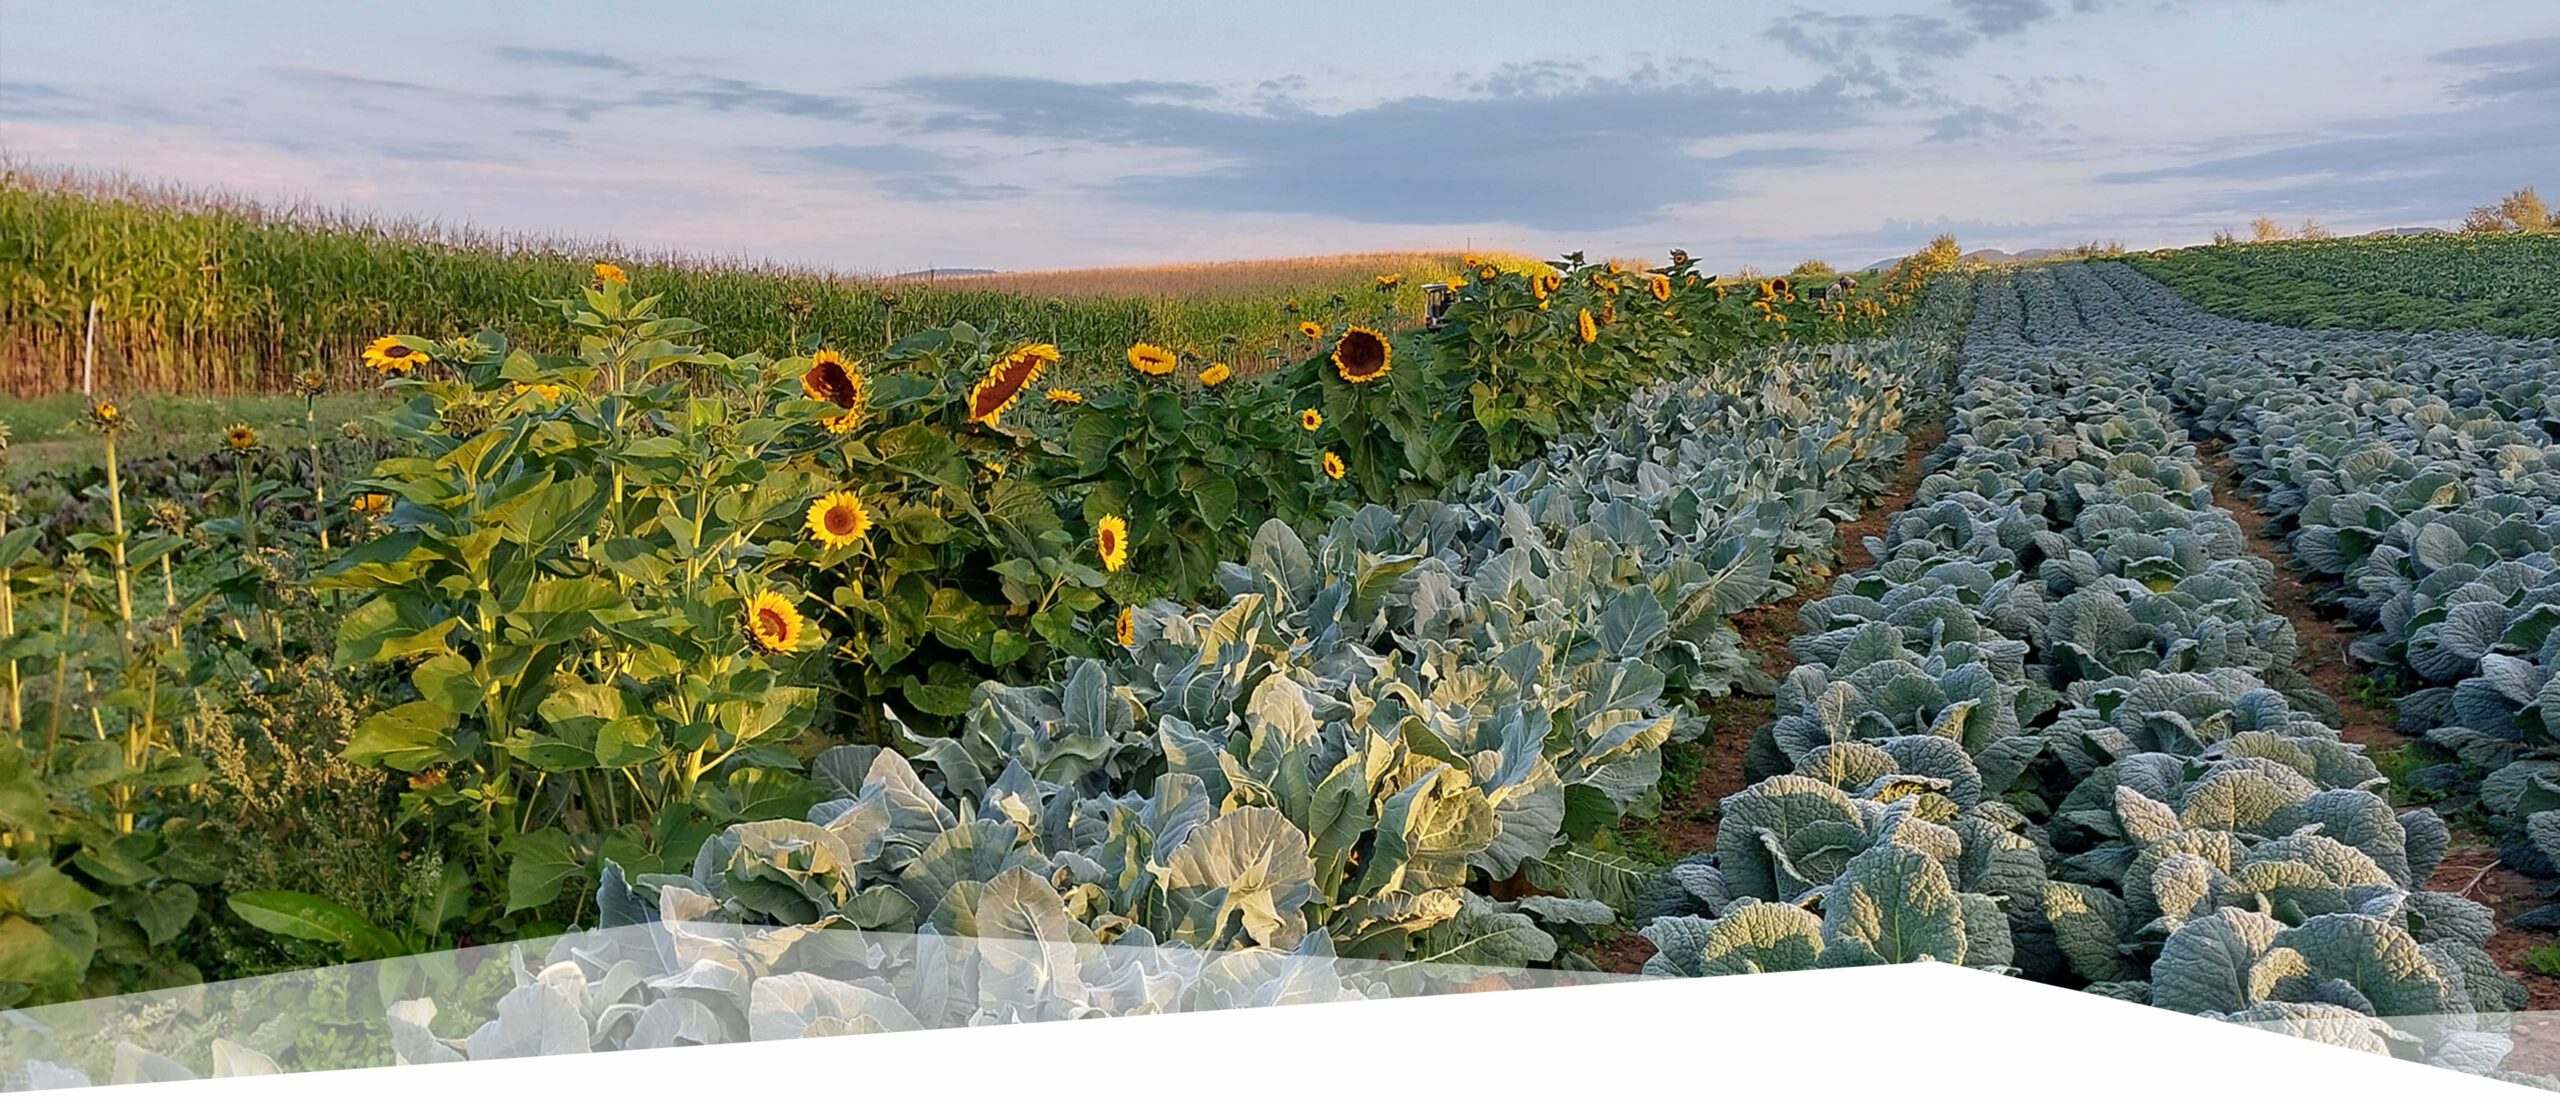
[
  {"x": 1660, "y": 285},
  {"x": 1333, "y": 467},
  {"x": 1587, "y": 328},
  {"x": 1062, "y": 396},
  {"x": 389, "y": 356},
  {"x": 772, "y": 625},
  {"x": 839, "y": 519},
  {"x": 1216, "y": 374},
  {"x": 240, "y": 437},
  {"x": 834, "y": 379},
  {"x": 608, "y": 273},
  {"x": 1124, "y": 629},
  {"x": 1150, "y": 360},
  {"x": 1111, "y": 542},
  {"x": 1310, "y": 419},
  {"x": 1362, "y": 356},
  {"x": 1006, "y": 380}
]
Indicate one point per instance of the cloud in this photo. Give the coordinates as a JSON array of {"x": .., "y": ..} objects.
[
  {"x": 2527, "y": 68},
  {"x": 1544, "y": 148},
  {"x": 2000, "y": 18},
  {"x": 567, "y": 59}
]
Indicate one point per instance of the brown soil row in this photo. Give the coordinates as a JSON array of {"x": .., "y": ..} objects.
[
  {"x": 2471, "y": 866},
  {"x": 1687, "y": 822}
]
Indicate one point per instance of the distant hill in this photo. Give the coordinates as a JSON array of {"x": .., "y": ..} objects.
[
  {"x": 2409, "y": 231},
  {"x": 943, "y": 272}
]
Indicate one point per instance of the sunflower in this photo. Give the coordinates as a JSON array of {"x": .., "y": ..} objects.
[
  {"x": 1333, "y": 467},
  {"x": 1660, "y": 285},
  {"x": 608, "y": 273},
  {"x": 842, "y": 423},
  {"x": 1780, "y": 285},
  {"x": 369, "y": 505},
  {"x": 1065, "y": 397},
  {"x": 311, "y": 383},
  {"x": 1587, "y": 328},
  {"x": 1310, "y": 419},
  {"x": 240, "y": 437},
  {"x": 1217, "y": 373},
  {"x": 548, "y": 391},
  {"x": 1388, "y": 282},
  {"x": 1486, "y": 273},
  {"x": 839, "y": 519},
  {"x": 1362, "y": 355},
  {"x": 1111, "y": 542},
  {"x": 1006, "y": 380},
  {"x": 106, "y": 416},
  {"x": 1149, "y": 359},
  {"x": 1311, "y": 330},
  {"x": 1124, "y": 629},
  {"x": 772, "y": 625},
  {"x": 389, "y": 356},
  {"x": 833, "y": 379}
]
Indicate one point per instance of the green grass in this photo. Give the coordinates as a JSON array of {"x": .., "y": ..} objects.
[
  {"x": 51, "y": 434},
  {"x": 2503, "y": 283}
]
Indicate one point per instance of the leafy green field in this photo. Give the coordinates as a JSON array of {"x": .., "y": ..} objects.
[{"x": 2503, "y": 283}]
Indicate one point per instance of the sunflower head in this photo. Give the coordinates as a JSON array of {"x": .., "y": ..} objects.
[
  {"x": 390, "y": 355},
  {"x": 1064, "y": 396},
  {"x": 1148, "y": 359},
  {"x": 1310, "y": 419},
  {"x": 311, "y": 383},
  {"x": 610, "y": 274},
  {"x": 1006, "y": 380},
  {"x": 1333, "y": 467},
  {"x": 106, "y": 416},
  {"x": 369, "y": 505},
  {"x": 1362, "y": 355},
  {"x": 1388, "y": 282},
  {"x": 1124, "y": 629},
  {"x": 772, "y": 625},
  {"x": 1586, "y": 328},
  {"x": 1311, "y": 330},
  {"x": 834, "y": 379},
  {"x": 839, "y": 519},
  {"x": 1216, "y": 374},
  {"x": 240, "y": 437},
  {"x": 1780, "y": 286},
  {"x": 1111, "y": 542},
  {"x": 1660, "y": 286}
]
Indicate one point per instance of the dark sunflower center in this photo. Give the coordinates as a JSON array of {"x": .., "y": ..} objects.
[
  {"x": 1363, "y": 354},
  {"x": 770, "y": 623},
  {"x": 841, "y": 520}
]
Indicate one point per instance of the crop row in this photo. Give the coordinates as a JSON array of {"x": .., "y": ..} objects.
[
  {"x": 2056, "y": 731},
  {"x": 2419, "y": 478}
]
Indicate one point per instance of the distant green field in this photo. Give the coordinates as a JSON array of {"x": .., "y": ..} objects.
[
  {"x": 50, "y": 434},
  {"x": 2506, "y": 283}
]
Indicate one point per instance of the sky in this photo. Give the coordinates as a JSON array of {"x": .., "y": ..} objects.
[{"x": 1020, "y": 135}]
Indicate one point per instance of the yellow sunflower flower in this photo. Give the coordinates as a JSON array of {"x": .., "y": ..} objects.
[
  {"x": 369, "y": 505},
  {"x": 1125, "y": 628},
  {"x": 1216, "y": 374},
  {"x": 240, "y": 437},
  {"x": 834, "y": 379},
  {"x": 1006, "y": 380},
  {"x": 839, "y": 519},
  {"x": 1065, "y": 397},
  {"x": 772, "y": 625},
  {"x": 1310, "y": 419},
  {"x": 1388, "y": 282},
  {"x": 1149, "y": 359},
  {"x": 608, "y": 273},
  {"x": 1362, "y": 356},
  {"x": 1311, "y": 330},
  {"x": 1333, "y": 467},
  {"x": 1587, "y": 328},
  {"x": 1660, "y": 285},
  {"x": 389, "y": 356},
  {"x": 1111, "y": 542},
  {"x": 1486, "y": 273}
]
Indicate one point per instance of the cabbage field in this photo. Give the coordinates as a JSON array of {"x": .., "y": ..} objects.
[{"x": 664, "y": 697}]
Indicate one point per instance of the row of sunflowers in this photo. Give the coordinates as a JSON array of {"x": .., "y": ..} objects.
[{"x": 329, "y": 695}]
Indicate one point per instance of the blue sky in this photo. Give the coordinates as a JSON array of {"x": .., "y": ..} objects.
[{"x": 1024, "y": 135}]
